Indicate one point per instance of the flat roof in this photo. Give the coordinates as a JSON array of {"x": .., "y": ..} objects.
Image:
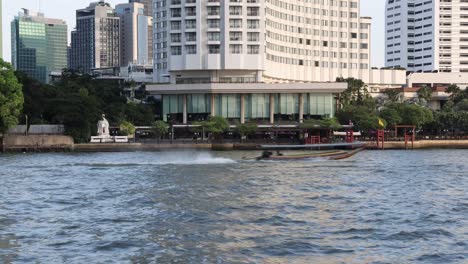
[{"x": 246, "y": 88}]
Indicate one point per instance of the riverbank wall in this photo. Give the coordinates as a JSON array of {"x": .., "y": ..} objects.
[
  {"x": 36, "y": 143},
  {"x": 122, "y": 147},
  {"x": 422, "y": 144},
  {"x": 57, "y": 143}
]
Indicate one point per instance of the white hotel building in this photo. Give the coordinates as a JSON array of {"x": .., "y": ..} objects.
[
  {"x": 427, "y": 35},
  {"x": 214, "y": 57}
]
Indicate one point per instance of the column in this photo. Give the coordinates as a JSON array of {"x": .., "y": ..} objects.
[
  {"x": 272, "y": 109},
  {"x": 213, "y": 112},
  {"x": 301, "y": 108},
  {"x": 242, "y": 110},
  {"x": 184, "y": 113}
]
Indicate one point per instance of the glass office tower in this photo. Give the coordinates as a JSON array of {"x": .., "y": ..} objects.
[{"x": 39, "y": 45}]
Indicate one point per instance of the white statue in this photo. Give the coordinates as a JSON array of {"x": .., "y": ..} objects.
[{"x": 103, "y": 127}]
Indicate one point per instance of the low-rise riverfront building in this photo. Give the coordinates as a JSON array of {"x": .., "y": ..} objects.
[{"x": 247, "y": 102}]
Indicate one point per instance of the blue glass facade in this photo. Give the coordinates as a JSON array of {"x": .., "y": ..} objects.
[{"x": 38, "y": 46}]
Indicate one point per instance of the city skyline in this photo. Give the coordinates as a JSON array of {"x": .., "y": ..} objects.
[{"x": 66, "y": 10}]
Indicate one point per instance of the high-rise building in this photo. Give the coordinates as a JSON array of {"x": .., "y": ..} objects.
[
  {"x": 148, "y": 6},
  {"x": 260, "y": 41},
  {"x": 39, "y": 44},
  {"x": 264, "y": 60},
  {"x": 95, "y": 43},
  {"x": 1, "y": 31},
  {"x": 136, "y": 30},
  {"x": 426, "y": 35}
]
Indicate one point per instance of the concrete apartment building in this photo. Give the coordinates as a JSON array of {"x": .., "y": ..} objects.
[
  {"x": 271, "y": 40},
  {"x": 95, "y": 42},
  {"x": 259, "y": 59},
  {"x": 39, "y": 45},
  {"x": 427, "y": 35},
  {"x": 136, "y": 34}
]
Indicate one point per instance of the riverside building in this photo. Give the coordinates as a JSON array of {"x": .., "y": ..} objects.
[
  {"x": 258, "y": 59},
  {"x": 39, "y": 44},
  {"x": 95, "y": 43},
  {"x": 426, "y": 36}
]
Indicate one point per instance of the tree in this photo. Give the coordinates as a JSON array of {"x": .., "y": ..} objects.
[
  {"x": 391, "y": 116},
  {"x": 455, "y": 92},
  {"x": 393, "y": 95},
  {"x": 363, "y": 118},
  {"x": 160, "y": 129},
  {"x": 462, "y": 105},
  {"x": 356, "y": 92},
  {"x": 11, "y": 97},
  {"x": 127, "y": 128},
  {"x": 415, "y": 115},
  {"x": 425, "y": 93},
  {"x": 245, "y": 130},
  {"x": 330, "y": 123},
  {"x": 78, "y": 101},
  {"x": 216, "y": 125}
]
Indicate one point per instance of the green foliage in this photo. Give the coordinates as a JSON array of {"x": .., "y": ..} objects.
[
  {"x": 451, "y": 121},
  {"x": 327, "y": 123},
  {"x": 363, "y": 118},
  {"x": 391, "y": 116},
  {"x": 356, "y": 93},
  {"x": 11, "y": 97},
  {"x": 461, "y": 106},
  {"x": 425, "y": 93},
  {"x": 139, "y": 114},
  {"x": 407, "y": 114},
  {"x": 160, "y": 129},
  {"x": 393, "y": 95},
  {"x": 127, "y": 128},
  {"x": 78, "y": 101},
  {"x": 456, "y": 94},
  {"x": 246, "y": 129},
  {"x": 215, "y": 125}
]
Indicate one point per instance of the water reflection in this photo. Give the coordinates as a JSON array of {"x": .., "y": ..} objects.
[{"x": 191, "y": 207}]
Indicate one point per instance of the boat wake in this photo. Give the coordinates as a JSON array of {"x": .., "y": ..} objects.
[{"x": 166, "y": 158}]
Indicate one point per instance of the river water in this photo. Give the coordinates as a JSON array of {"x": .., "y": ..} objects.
[{"x": 214, "y": 207}]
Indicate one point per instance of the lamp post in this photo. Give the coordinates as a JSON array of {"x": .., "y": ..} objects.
[{"x": 26, "y": 117}]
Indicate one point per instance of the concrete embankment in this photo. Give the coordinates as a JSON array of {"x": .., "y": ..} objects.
[
  {"x": 36, "y": 143},
  {"x": 47, "y": 143},
  {"x": 423, "y": 144},
  {"x": 122, "y": 147}
]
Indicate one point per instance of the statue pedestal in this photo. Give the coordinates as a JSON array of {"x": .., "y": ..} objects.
[{"x": 109, "y": 139}]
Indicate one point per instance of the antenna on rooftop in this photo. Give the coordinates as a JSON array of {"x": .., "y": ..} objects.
[{"x": 40, "y": 6}]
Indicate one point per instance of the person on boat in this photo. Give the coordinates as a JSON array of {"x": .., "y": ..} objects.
[{"x": 265, "y": 155}]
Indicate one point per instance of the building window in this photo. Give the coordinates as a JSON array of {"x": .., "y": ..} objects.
[
  {"x": 176, "y": 50},
  {"x": 235, "y": 49},
  {"x": 235, "y": 23},
  {"x": 191, "y": 49},
  {"x": 213, "y": 49},
  {"x": 253, "y": 49}
]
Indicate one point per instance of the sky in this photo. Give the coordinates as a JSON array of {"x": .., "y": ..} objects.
[{"x": 65, "y": 9}]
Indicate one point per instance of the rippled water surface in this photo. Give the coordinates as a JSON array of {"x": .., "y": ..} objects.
[{"x": 214, "y": 207}]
